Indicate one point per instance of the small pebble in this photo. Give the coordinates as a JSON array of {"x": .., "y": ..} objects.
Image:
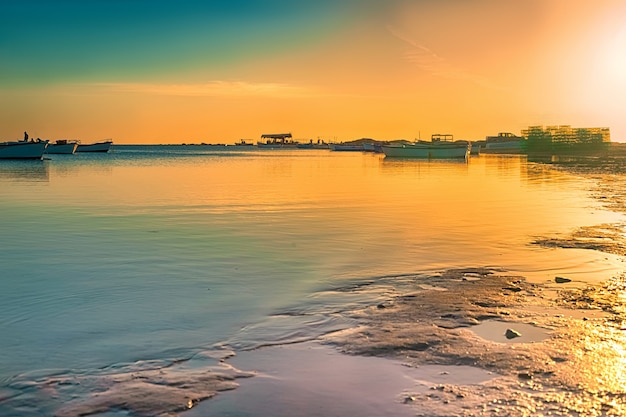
[{"x": 510, "y": 334}]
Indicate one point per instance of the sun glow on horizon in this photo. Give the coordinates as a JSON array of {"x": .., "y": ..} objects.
[{"x": 616, "y": 57}]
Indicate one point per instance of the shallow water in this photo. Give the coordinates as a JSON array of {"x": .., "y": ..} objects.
[{"x": 158, "y": 252}]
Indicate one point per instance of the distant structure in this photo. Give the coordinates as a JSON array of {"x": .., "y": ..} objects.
[
  {"x": 279, "y": 136},
  {"x": 277, "y": 141},
  {"x": 564, "y": 139}
]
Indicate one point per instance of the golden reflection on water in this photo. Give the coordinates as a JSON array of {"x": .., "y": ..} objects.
[
  {"x": 294, "y": 180},
  {"x": 484, "y": 211}
]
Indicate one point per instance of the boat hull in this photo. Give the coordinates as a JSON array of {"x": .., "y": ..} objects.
[
  {"x": 339, "y": 147},
  {"x": 313, "y": 146},
  {"x": 262, "y": 145},
  {"x": 505, "y": 142},
  {"x": 424, "y": 151},
  {"x": 23, "y": 150},
  {"x": 95, "y": 147},
  {"x": 66, "y": 148}
]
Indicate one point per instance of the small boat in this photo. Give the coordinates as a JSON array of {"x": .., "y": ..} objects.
[
  {"x": 277, "y": 141},
  {"x": 320, "y": 144},
  {"x": 439, "y": 147},
  {"x": 346, "y": 147},
  {"x": 369, "y": 147},
  {"x": 23, "y": 149},
  {"x": 243, "y": 142},
  {"x": 505, "y": 142},
  {"x": 358, "y": 145},
  {"x": 95, "y": 147},
  {"x": 62, "y": 146},
  {"x": 477, "y": 147}
]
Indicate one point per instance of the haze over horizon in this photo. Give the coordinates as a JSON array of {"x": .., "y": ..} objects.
[{"x": 190, "y": 71}]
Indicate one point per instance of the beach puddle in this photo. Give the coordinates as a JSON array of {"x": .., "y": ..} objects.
[
  {"x": 506, "y": 332},
  {"x": 314, "y": 380},
  {"x": 320, "y": 381}
]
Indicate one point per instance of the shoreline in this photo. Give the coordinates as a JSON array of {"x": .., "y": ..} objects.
[
  {"x": 560, "y": 362},
  {"x": 418, "y": 353}
]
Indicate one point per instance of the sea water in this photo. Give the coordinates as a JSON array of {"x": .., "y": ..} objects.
[{"x": 157, "y": 252}]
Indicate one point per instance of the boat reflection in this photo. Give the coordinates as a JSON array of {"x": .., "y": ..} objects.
[
  {"x": 404, "y": 165},
  {"x": 24, "y": 171}
]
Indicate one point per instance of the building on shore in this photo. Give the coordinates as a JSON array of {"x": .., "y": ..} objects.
[{"x": 566, "y": 139}]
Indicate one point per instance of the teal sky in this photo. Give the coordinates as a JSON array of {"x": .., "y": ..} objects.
[{"x": 44, "y": 41}]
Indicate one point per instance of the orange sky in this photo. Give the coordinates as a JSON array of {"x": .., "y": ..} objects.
[{"x": 337, "y": 71}]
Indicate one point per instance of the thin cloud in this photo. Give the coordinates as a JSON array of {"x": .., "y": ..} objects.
[
  {"x": 232, "y": 89},
  {"x": 428, "y": 61}
]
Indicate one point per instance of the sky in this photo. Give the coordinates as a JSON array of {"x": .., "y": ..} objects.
[{"x": 192, "y": 71}]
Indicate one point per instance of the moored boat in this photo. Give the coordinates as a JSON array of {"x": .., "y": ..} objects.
[
  {"x": 477, "y": 147},
  {"x": 439, "y": 147},
  {"x": 23, "y": 149},
  {"x": 357, "y": 145},
  {"x": 95, "y": 147},
  {"x": 347, "y": 147},
  {"x": 369, "y": 147},
  {"x": 320, "y": 144},
  {"x": 243, "y": 142},
  {"x": 62, "y": 146},
  {"x": 505, "y": 142}
]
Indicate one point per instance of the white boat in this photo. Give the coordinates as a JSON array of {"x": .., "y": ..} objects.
[
  {"x": 62, "y": 146},
  {"x": 95, "y": 147},
  {"x": 277, "y": 141},
  {"x": 439, "y": 147},
  {"x": 23, "y": 149}
]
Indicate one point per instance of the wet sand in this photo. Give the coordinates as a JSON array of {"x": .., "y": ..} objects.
[
  {"x": 438, "y": 347},
  {"x": 443, "y": 350},
  {"x": 572, "y": 362}
]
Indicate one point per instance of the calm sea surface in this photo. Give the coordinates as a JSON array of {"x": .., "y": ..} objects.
[{"x": 154, "y": 252}]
